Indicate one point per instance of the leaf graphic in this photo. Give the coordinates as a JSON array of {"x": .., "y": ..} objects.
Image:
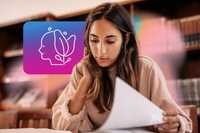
[
  {"x": 71, "y": 42},
  {"x": 60, "y": 44},
  {"x": 58, "y": 57},
  {"x": 68, "y": 60}
]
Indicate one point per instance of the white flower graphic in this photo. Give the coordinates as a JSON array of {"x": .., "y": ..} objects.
[{"x": 56, "y": 48}]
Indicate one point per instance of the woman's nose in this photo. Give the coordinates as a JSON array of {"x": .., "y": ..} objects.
[{"x": 102, "y": 49}]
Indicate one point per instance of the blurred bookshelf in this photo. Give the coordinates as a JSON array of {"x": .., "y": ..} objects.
[
  {"x": 185, "y": 17},
  {"x": 16, "y": 86},
  {"x": 13, "y": 53},
  {"x": 190, "y": 28},
  {"x": 17, "y": 91}
]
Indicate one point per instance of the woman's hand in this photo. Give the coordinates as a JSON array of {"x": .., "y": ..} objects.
[
  {"x": 171, "y": 123},
  {"x": 86, "y": 74},
  {"x": 78, "y": 100}
]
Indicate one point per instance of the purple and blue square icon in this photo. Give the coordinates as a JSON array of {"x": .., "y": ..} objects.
[{"x": 52, "y": 47}]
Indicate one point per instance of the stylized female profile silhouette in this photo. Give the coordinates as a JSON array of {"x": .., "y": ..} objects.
[{"x": 56, "y": 48}]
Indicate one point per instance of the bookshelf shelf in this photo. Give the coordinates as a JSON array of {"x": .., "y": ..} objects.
[
  {"x": 64, "y": 9},
  {"x": 13, "y": 53},
  {"x": 193, "y": 48},
  {"x": 16, "y": 107},
  {"x": 13, "y": 81}
]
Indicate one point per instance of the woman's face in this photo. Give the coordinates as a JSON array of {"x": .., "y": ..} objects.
[{"x": 105, "y": 42}]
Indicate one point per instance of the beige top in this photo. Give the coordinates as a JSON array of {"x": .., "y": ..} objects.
[{"x": 152, "y": 85}]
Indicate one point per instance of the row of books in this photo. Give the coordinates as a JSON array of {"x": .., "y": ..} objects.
[
  {"x": 24, "y": 98},
  {"x": 189, "y": 91},
  {"x": 190, "y": 28}
]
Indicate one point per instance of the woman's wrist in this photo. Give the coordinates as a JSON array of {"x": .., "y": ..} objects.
[{"x": 78, "y": 100}]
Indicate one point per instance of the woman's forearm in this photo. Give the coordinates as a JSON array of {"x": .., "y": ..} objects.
[{"x": 78, "y": 100}]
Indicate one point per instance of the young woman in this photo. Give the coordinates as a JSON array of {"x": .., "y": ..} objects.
[{"x": 111, "y": 51}]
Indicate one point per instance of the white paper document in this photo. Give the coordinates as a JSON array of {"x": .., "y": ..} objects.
[
  {"x": 131, "y": 109},
  {"x": 137, "y": 130}
]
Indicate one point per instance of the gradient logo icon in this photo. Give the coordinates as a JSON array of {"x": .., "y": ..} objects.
[{"x": 52, "y": 47}]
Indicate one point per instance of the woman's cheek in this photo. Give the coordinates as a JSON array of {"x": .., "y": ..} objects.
[
  {"x": 117, "y": 51},
  {"x": 93, "y": 50}
]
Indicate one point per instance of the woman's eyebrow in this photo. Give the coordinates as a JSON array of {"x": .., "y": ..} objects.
[
  {"x": 93, "y": 35},
  {"x": 109, "y": 36}
]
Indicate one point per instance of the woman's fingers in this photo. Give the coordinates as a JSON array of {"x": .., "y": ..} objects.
[
  {"x": 171, "y": 123},
  {"x": 86, "y": 72},
  {"x": 170, "y": 113},
  {"x": 171, "y": 119},
  {"x": 169, "y": 126},
  {"x": 162, "y": 130}
]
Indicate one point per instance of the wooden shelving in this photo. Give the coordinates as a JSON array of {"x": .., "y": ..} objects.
[
  {"x": 193, "y": 48},
  {"x": 13, "y": 53},
  {"x": 29, "y": 10}
]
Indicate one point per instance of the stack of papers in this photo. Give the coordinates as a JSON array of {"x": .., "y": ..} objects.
[{"x": 130, "y": 110}]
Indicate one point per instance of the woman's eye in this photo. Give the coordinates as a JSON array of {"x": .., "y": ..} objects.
[
  {"x": 94, "y": 41},
  {"x": 110, "y": 41}
]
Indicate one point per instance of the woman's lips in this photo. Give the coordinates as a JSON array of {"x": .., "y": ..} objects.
[{"x": 103, "y": 59}]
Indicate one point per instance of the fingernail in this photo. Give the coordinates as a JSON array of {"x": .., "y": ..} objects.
[
  {"x": 164, "y": 118},
  {"x": 164, "y": 113}
]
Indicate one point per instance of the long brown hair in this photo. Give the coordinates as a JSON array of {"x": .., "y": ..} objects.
[{"x": 127, "y": 63}]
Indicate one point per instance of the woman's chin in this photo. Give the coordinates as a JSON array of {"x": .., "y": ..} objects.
[{"x": 103, "y": 65}]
